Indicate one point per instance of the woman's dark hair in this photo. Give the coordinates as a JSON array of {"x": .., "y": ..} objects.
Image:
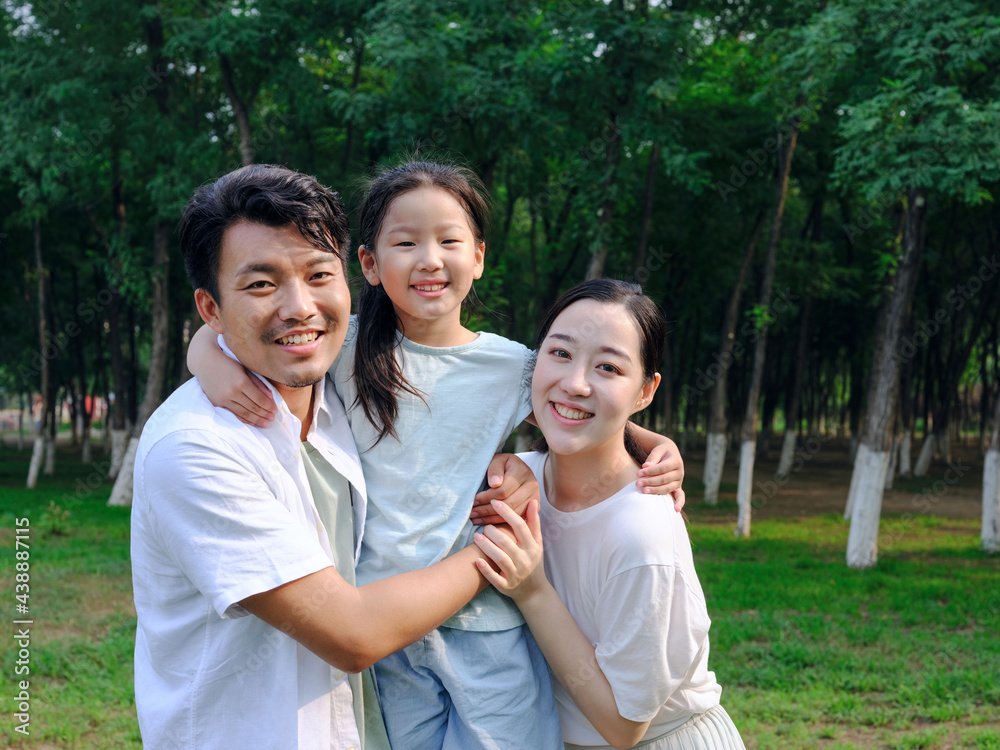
[
  {"x": 648, "y": 322},
  {"x": 262, "y": 194},
  {"x": 378, "y": 374}
]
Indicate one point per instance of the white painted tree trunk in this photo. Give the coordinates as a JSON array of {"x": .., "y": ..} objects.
[
  {"x": 905, "y": 448},
  {"x": 991, "y": 502},
  {"x": 121, "y": 493},
  {"x": 37, "y": 454},
  {"x": 944, "y": 446},
  {"x": 926, "y": 454},
  {"x": 119, "y": 445},
  {"x": 715, "y": 460},
  {"x": 85, "y": 450},
  {"x": 852, "y": 493},
  {"x": 744, "y": 490},
  {"x": 862, "y": 541},
  {"x": 890, "y": 473},
  {"x": 50, "y": 456},
  {"x": 787, "y": 453},
  {"x": 853, "y": 449}
]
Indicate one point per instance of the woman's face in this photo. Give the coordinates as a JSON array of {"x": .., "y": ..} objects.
[{"x": 589, "y": 378}]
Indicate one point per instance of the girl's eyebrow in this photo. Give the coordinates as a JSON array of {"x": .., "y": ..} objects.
[{"x": 410, "y": 228}]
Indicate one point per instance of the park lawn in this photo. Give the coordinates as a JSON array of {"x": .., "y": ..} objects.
[{"x": 809, "y": 653}]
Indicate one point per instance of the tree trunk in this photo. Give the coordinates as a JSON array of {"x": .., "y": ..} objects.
[
  {"x": 873, "y": 453},
  {"x": 38, "y": 451},
  {"x": 715, "y": 449},
  {"x": 241, "y": 108},
  {"x": 121, "y": 494},
  {"x": 641, "y": 273},
  {"x": 792, "y": 418},
  {"x": 749, "y": 434},
  {"x": 991, "y": 488},
  {"x": 596, "y": 268}
]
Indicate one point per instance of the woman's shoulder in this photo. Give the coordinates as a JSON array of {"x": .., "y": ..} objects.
[{"x": 641, "y": 529}]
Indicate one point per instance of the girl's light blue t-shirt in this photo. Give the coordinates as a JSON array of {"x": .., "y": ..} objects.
[{"x": 421, "y": 486}]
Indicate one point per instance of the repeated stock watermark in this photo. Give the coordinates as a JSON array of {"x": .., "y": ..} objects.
[
  {"x": 892, "y": 531},
  {"x": 749, "y": 332}
]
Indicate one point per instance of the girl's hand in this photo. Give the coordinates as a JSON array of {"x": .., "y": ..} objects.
[
  {"x": 227, "y": 383},
  {"x": 663, "y": 471},
  {"x": 511, "y": 481},
  {"x": 519, "y": 558}
]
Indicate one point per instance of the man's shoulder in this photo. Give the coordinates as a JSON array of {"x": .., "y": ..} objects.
[{"x": 187, "y": 410}]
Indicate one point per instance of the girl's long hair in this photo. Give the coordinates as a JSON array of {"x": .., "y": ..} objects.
[
  {"x": 379, "y": 374},
  {"x": 648, "y": 322}
]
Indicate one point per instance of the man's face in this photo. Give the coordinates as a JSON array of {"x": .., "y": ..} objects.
[{"x": 283, "y": 304}]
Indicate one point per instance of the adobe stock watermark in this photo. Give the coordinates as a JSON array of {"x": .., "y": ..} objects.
[
  {"x": 123, "y": 107},
  {"x": 892, "y": 531},
  {"x": 750, "y": 332},
  {"x": 764, "y": 491},
  {"x": 759, "y": 158},
  {"x": 955, "y": 300}
]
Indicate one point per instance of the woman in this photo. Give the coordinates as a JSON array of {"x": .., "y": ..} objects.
[{"x": 621, "y": 617}]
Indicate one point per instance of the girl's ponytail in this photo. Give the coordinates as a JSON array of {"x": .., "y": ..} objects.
[{"x": 377, "y": 373}]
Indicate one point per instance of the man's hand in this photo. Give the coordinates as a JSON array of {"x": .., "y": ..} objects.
[{"x": 511, "y": 481}]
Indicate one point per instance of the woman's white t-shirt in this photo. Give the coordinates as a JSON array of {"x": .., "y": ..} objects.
[{"x": 625, "y": 571}]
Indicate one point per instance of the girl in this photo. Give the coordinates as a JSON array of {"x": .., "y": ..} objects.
[
  {"x": 623, "y": 623},
  {"x": 429, "y": 403}
]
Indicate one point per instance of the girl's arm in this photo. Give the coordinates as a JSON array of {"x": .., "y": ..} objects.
[
  {"x": 567, "y": 650},
  {"x": 663, "y": 471},
  {"x": 226, "y": 382}
]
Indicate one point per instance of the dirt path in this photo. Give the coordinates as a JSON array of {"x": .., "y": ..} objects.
[{"x": 821, "y": 476}]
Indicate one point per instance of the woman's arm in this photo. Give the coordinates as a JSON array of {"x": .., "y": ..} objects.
[{"x": 567, "y": 650}]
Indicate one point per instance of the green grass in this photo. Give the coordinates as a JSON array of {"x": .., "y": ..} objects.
[{"x": 809, "y": 653}]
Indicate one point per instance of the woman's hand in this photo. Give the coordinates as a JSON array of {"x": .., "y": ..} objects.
[{"x": 517, "y": 554}]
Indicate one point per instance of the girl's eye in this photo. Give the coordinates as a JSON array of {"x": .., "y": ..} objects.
[{"x": 609, "y": 369}]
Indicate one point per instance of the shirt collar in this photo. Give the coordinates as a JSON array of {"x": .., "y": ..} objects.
[{"x": 318, "y": 402}]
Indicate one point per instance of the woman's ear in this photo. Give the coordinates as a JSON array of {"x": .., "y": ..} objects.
[
  {"x": 368, "y": 267},
  {"x": 647, "y": 392}
]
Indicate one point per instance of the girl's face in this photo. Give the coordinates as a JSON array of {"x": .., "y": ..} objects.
[
  {"x": 589, "y": 378},
  {"x": 426, "y": 257}
]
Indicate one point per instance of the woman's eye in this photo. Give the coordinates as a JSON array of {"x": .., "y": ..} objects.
[
  {"x": 560, "y": 353},
  {"x": 610, "y": 368}
]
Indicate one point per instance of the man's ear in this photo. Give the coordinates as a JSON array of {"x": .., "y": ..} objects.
[
  {"x": 208, "y": 309},
  {"x": 368, "y": 267},
  {"x": 646, "y": 395}
]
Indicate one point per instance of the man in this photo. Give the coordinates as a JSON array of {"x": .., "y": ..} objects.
[{"x": 243, "y": 539}]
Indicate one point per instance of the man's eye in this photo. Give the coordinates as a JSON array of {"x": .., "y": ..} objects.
[
  {"x": 320, "y": 275},
  {"x": 260, "y": 285}
]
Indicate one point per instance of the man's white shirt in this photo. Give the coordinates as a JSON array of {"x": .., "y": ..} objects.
[{"x": 222, "y": 511}]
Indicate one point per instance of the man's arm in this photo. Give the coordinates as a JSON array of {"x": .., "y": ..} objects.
[
  {"x": 217, "y": 518},
  {"x": 352, "y": 628}
]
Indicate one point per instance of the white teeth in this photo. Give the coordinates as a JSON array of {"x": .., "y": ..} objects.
[
  {"x": 430, "y": 288},
  {"x": 299, "y": 338},
  {"x": 571, "y": 413}
]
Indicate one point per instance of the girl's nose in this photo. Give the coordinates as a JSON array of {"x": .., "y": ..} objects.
[{"x": 430, "y": 258}]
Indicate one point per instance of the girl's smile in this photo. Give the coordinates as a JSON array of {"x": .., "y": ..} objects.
[{"x": 426, "y": 257}]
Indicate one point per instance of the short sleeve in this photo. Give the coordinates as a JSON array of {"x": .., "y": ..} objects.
[
  {"x": 524, "y": 401},
  {"x": 221, "y": 523},
  {"x": 652, "y": 631}
]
